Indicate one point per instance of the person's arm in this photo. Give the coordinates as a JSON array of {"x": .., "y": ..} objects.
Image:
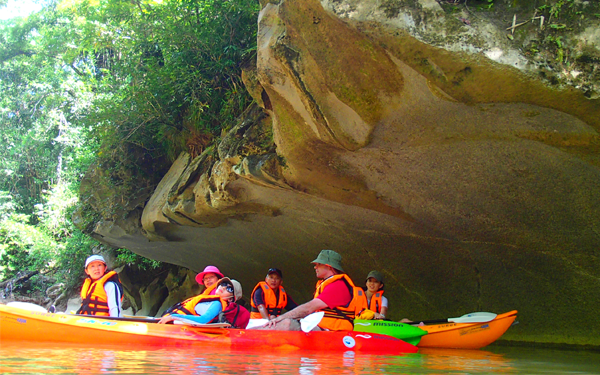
[
  {"x": 263, "y": 312},
  {"x": 209, "y": 312},
  {"x": 384, "y": 308},
  {"x": 113, "y": 297},
  {"x": 259, "y": 301},
  {"x": 299, "y": 312}
]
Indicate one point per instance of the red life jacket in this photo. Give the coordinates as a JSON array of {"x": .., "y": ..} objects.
[
  {"x": 273, "y": 304},
  {"x": 95, "y": 301},
  {"x": 236, "y": 315},
  {"x": 341, "y": 318}
]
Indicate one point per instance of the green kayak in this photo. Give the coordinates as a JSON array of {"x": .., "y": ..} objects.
[{"x": 404, "y": 332}]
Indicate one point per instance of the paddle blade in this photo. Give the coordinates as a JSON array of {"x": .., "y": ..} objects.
[
  {"x": 27, "y": 306},
  {"x": 256, "y": 323},
  {"x": 308, "y": 323},
  {"x": 190, "y": 320},
  {"x": 476, "y": 317}
]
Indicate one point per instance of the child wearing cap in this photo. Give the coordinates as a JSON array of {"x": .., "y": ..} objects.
[
  {"x": 102, "y": 292},
  {"x": 374, "y": 292},
  {"x": 268, "y": 298}
]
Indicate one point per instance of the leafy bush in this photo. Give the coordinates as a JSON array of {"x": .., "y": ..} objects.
[
  {"x": 129, "y": 258},
  {"x": 123, "y": 86}
]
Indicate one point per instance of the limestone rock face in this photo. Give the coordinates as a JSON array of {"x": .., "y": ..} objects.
[{"x": 470, "y": 185}]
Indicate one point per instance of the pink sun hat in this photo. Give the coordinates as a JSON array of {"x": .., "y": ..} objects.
[{"x": 208, "y": 269}]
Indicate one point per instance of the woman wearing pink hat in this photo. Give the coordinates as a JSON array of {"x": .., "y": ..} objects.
[{"x": 209, "y": 278}]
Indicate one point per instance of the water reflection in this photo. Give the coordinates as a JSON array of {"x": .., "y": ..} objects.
[
  {"x": 469, "y": 361},
  {"x": 69, "y": 359}
]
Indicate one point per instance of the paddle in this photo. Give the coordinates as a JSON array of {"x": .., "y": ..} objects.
[
  {"x": 307, "y": 324},
  {"x": 475, "y": 317},
  {"x": 120, "y": 318},
  {"x": 144, "y": 319},
  {"x": 190, "y": 320},
  {"x": 27, "y": 306}
]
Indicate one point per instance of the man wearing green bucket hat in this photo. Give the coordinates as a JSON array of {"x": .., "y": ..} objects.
[{"x": 336, "y": 296}]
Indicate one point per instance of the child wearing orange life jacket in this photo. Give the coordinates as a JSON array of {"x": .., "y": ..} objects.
[
  {"x": 102, "y": 292},
  {"x": 374, "y": 292}
]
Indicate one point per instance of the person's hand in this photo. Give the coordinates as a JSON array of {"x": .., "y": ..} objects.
[
  {"x": 272, "y": 323},
  {"x": 272, "y": 317},
  {"x": 378, "y": 316},
  {"x": 166, "y": 319},
  {"x": 405, "y": 320}
]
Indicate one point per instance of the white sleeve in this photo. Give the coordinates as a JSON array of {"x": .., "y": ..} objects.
[
  {"x": 114, "y": 299},
  {"x": 384, "y": 302}
]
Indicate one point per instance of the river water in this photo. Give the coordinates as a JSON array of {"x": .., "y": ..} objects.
[{"x": 62, "y": 359}]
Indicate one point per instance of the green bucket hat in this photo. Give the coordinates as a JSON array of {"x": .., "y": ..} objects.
[
  {"x": 376, "y": 275},
  {"x": 330, "y": 258}
]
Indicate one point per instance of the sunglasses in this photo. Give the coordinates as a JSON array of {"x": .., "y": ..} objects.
[{"x": 228, "y": 287}]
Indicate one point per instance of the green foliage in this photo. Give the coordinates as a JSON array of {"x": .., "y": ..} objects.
[
  {"x": 118, "y": 85},
  {"x": 70, "y": 260},
  {"x": 23, "y": 246},
  {"x": 557, "y": 41},
  {"x": 561, "y": 16},
  {"x": 167, "y": 69},
  {"x": 128, "y": 257},
  {"x": 488, "y": 6},
  {"x": 53, "y": 246},
  {"x": 40, "y": 104}
]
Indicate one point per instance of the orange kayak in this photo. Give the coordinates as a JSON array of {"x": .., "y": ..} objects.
[
  {"x": 22, "y": 325},
  {"x": 466, "y": 335}
]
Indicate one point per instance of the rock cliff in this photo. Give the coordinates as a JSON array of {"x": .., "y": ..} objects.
[{"x": 468, "y": 181}]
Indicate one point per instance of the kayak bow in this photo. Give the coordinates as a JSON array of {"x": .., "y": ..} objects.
[{"x": 466, "y": 335}]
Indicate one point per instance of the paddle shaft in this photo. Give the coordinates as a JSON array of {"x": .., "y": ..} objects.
[
  {"x": 124, "y": 319},
  {"x": 151, "y": 320},
  {"x": 475, "y": 317},
  {"x": 436, "y": 321}
]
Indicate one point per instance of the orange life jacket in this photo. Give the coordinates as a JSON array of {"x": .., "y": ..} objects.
[
  {"x": 273, "y": 304},
  {"x": 188, "y": 306},
  {"x": 207, "y": 291},
  {"x": 341, "y": 318},
  {"x": 95, "y": 301},
  {"x": 376, "y": 300}
]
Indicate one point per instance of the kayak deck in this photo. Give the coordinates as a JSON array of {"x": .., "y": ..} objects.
[{"x": 466, "y": 335}]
